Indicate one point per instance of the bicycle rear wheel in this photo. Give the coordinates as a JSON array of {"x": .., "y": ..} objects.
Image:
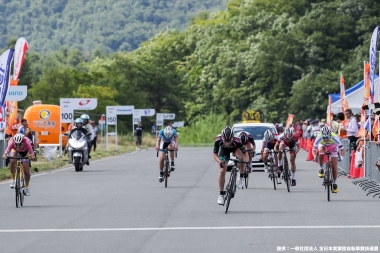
[
  {"x": 273, "y": 176},
  {"x": 22, "y": 190}
]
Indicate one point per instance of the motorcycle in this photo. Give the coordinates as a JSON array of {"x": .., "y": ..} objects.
[{"x": 78, "y": 149}]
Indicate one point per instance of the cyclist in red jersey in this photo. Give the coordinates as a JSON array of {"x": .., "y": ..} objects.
[{"x": 290, "y": 140}]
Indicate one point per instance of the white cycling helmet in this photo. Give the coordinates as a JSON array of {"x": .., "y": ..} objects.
[
  {"x": 18, "y": 138},
  {"x": 168, "y": 132},
  {"x": 326, "y": 131},
  {"x": 288, "y": 132},
  {"x": 268, "y": 135}
]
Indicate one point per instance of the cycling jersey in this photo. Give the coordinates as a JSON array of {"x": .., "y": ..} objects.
[
  {"x": 282, "y": 139},
  {"x": 163, "y": 138},
  {"x": 90, "y": 130},
  {"x": 333, "y": 141},
  {"x": 26, "y": 146},
  {"x": 222, "y": 150}
]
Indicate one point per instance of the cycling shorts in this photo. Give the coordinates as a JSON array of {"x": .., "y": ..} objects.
[
  {"x": 270, "y": 146},
  {"x": 225, "y": 152},
  {"x": 332, "y": 149},
  {"x": 164, "y": 145},
  {"x": 291, "y": 145}
]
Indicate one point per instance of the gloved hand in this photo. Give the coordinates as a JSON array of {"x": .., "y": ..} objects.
[
  {"x": 221, "y": 164},
  {"x": 316, "y": 158},
  {"x": 340, "y": 159},
  {"x": 156, "y": 148},
  {"x": 5, "y": 156},
  {"x": 32, "y": 157}
]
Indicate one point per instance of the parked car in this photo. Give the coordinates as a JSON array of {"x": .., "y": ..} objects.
[{"x": 257, "y": 131}]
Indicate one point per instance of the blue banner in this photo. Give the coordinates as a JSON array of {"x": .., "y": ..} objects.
[
  {"x": 372, "y": 62},
  {"x": 5, "y": 66}
]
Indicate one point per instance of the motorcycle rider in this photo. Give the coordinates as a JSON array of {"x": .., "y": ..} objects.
[
  {"x": 78, "y": 126},
  {"x": 88, "y": 127}
]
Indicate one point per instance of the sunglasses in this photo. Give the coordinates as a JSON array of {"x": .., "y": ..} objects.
[{"x": 325, "y": 137}]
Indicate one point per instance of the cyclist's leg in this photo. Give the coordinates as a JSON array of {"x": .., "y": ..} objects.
[
  {"x": 293, "y": 159},
  {"x": 321, "y": 149},
  {"x": 12, "y": 165},
  {"x": 26, "y": 173},
  {"x": 172, "y": 146},
  {"x": 222, "y": 171},
  {"x": 163, "y": 146},
  {"x": 281, "y": 148},
  {"x": 334, "y": 167},
  {"x": 239, "y": 155}
]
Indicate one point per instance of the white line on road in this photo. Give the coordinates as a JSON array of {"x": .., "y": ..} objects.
[{"x": 184, "y": 228}]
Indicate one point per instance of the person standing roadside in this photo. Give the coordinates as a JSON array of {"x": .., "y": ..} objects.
[
  {"x": 154, "y": 129},
  {"x": 16, "y": 124},
  {"x": 139, "y": 133},
  {"x": 93, "y": 143},
  {"x": 351, "y": 126}
]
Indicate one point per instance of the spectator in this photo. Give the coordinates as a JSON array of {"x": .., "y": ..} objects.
[
  {"x": 339, "y": 119},
  {"x": 304, "y": 128},
  {"x": 2, "y": 130},
  {"x": 357, "y": 117},
  {"x": 93, "y": 143},
  {"x": 351, "y": 126},
  {"x": 154, "y": 129},
  {"x": 323, "y": 123},
  {"x": 315, "y": 129},
  {"x": 139, "y": 133},
  {"x": 16, "y": 124}
]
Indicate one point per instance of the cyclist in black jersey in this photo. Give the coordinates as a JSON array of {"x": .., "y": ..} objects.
[{"x": 226, "y": 143}]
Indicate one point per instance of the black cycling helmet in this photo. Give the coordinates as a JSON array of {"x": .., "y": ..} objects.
[
  {"x": 243, "y": 137},
  {"x": 227, "y": 134}
]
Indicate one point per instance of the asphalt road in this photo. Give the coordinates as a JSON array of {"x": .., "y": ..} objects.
[{"x": 118, "y": 205}]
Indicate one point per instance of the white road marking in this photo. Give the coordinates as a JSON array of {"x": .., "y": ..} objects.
[
  {"x": 185, "y": 228},
  {"x": 71, "y": 167}
]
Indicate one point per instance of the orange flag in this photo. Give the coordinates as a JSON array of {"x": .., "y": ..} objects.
[
  {"x": 329, "y": 117},
  {"x": 344, "y": 104},
  {"x": 361, "y": 131},
  {"x": 375, "y": 129},
  {"x": 289, "y": 121},
  {"x": 367, "y": 90}
]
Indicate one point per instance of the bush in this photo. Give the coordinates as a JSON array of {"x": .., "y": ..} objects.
[{"x": 204, "y": 129}]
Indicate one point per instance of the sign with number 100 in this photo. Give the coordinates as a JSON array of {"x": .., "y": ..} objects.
[{"x": 66, "y": 116}]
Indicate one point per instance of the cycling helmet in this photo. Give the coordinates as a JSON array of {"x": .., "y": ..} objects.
[
  {"x": 227, "y": 134},
  {"x": 78, "y": 121},
  {"x": 326, "y": 131},
  {"x": 288, "y": 132},
  {"x": 243, "y": 137},
  {"x": 268, "y": 135},
  {"x": 18, "y": 138},
  {"x": 168, "y": 132}
]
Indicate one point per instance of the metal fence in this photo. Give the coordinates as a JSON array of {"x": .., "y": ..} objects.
[
  {"x": 345, "y": 164},
  {"x": 3, "y": 146},
  {"x": 371, "y": 155}
]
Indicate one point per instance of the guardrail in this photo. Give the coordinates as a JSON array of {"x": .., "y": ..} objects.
[{"x": 344, "y": 166}]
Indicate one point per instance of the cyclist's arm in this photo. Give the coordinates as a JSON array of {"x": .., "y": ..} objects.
[
  {"x": 263, "y": 146},
  {"x": 29, "y": 148},
  {"x": 11, "y": 145},
  {"x": 216, "y": 151},
  {"x": 158, "y": 141}
]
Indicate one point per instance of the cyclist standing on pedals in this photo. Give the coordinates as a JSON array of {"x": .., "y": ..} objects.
[
  {"x": 327, "y": 141},
  {"x": 269, "y": 143},
  {"x": 250, "y": 146},
  {"x": 167, "y": 138},
  {"x": 22, "y": 146},
  {"x": 290, "y": 140},
  {"x": 226, "y": 143}
]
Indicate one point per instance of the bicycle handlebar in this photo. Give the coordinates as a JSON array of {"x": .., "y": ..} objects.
[
  {"x": 236, "y": 160},
  {"x": 168, "y": 150},
  {"x": 18, "y": 158}
]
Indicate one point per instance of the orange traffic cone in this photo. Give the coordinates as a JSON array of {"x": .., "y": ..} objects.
[{"x": 310, "y": 156}]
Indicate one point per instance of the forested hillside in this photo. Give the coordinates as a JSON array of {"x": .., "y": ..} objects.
[
  {"x": 282, "y": 56},
  {"x": 109, "y": 26}
]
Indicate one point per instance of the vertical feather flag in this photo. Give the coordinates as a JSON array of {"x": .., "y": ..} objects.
[
  {"x": 11, "y": 106},
  {"x": 344, "y": 104},
  {"x": 367, "y": 89},
  {"x": 372, "y": 61},
  {"x": 329, "y": 117}
]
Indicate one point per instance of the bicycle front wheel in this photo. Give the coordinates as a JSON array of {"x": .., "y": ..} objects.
[
  {"x": 246, "y": 177},
  {"x": 286, "y": 174},
  {"x": 166, "y": 175},
  {"x": 273, "y": 176},
  {"x": 17, "y": 189},
  {"x": 328, "y": 181}
]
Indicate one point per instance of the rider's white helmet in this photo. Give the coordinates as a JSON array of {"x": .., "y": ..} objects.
[
  {"x": 168, "y": 132},
  {"x": 288, "y": 132},
  {"x": 18, "y": 139},
  {"x": 326, "y": 131},
  {"x": 268, "y": 135}
]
